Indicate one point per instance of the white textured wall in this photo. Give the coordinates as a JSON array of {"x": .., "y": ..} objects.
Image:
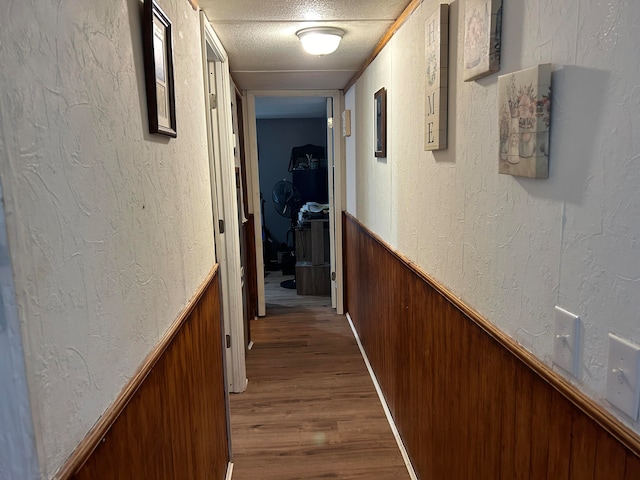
[
  {"x": 17, "y": 444},
  {"x": 110, "y": 228},
  {"x": 511, "y": 247}
]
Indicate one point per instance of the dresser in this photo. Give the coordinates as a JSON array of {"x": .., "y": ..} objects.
[{"x": 313, "y": 267}]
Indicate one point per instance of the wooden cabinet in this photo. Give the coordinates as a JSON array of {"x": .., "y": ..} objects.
[{"x": 313, "y": 268}]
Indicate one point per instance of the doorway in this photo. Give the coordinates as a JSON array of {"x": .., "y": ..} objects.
[
  {"x": 310, "y": 120},
  {"x": 224, "y": 199}
]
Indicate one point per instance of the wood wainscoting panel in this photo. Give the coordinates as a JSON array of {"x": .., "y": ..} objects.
[
  {"x": 632, "y": 468},
  {"x": 467, "y": 400},
  {"x": 174, "y": 424},
  {"x": 560, "y": 436}
]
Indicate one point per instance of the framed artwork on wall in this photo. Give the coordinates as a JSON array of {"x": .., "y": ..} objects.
[
  {"x": 158, "y": 70},
  {"x": 524, "y": 112},
  {"x": 482, "y": 38},
  {"x": 437, "y": 61},
  {"x": 380, "y": 122}
]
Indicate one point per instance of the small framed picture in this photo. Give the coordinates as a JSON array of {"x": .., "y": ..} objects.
[
  {"x": 380, "y": 109},
  {"x": 158, "y": 69},
  {"x": 482, "y": 31}
]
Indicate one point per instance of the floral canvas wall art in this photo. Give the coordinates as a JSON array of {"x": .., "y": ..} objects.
[
  {"x": 482, "y": 32},
  {"x": 524, "y": 113},
  {"x": 436, "y": 73}
]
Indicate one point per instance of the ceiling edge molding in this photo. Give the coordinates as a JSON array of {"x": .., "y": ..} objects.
[{"x": 404, "y": 16}]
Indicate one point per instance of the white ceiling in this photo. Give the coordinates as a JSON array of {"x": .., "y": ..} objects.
[{"x": 265, "y": 54}]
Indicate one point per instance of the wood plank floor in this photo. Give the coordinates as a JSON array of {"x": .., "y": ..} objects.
[{"x": 310, "y": 410}]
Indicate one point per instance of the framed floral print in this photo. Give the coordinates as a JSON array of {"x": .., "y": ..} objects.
[
  {"x": 482, "y": 38},
  {"x": 524, "y": 122}
]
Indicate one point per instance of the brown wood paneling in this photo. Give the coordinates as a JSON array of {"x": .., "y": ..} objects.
[
  {"x": 524, "y": 411},
  {"x": 611, "y": 457},
  {"x": 632, "y": 468},
  {"x": 583, "y": 448},
  {"x": 508, "y": 424},
  {"x": 172, "y": 425},
  {"x": 560, "y": 436},
  {"x": 490, "y": 404},
  {"x": 468, "y": 401},
  {"x": 540, "y": 428}
]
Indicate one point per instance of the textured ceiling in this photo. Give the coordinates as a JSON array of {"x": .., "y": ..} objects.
[{"x": 264, "y": 52}]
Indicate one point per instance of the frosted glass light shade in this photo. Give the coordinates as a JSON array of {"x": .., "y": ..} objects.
[{"x": 320, "y": 40}]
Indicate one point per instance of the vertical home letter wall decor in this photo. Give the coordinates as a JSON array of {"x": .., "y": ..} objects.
[
  {"x": 482, "y": 31},
  {"x": 437, "y": 59}
]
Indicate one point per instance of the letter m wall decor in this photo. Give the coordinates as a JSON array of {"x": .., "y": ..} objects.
[{"x": 437, "y": 60}]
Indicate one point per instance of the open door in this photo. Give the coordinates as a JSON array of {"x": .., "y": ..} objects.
[
  {"x": 225, "y": 204},
  {"x": 332, "y": 209},
  {"x": 335, "y": 172}
]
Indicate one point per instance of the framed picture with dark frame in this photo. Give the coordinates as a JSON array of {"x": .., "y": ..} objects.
[
  {"x": 158, "y": 70},
  {"x": 380, "y": 110}
]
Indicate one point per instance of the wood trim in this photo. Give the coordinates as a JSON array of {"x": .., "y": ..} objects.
[
  {"x": 250, "y": 269},
  {"x": 587, "y": 405},
  {"x": 404, "y": 16},
  {"x": 87, "y": 446},
  {"x": 235, "y": 84},
  {"x": 240, "y": 146}
]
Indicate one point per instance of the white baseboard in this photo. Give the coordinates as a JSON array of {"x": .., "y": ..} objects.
[
  {"x": 229, "y": 471},
  {"x": 385, "y": 407}
]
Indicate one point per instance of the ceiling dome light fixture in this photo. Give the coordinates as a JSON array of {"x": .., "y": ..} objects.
[{"x": 320, "y": 40}]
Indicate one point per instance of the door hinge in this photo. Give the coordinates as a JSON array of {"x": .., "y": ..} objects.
[
  {"x": 213, "y": 101},
  {"x": 221, "y": 225},
  {"x": 228, "y": 340},
  {"x": 330, "y": 122},
  {"x": 333, "y": 276}
]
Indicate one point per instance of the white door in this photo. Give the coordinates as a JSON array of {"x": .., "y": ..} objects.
[
  {"x": 225, "y": 207},
  {"x": 336, "y": 196},
  {"x": 332, "y": 209}
]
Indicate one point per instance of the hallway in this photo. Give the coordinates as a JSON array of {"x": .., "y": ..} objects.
[{"x": 310, "y": 410}]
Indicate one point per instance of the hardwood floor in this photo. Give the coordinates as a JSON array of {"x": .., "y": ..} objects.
[
  {"x": 283, "y": 298},
  {"x": 310, "y": 410}
]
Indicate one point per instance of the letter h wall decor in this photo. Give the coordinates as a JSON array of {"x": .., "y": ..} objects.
[{"x": 437, "y": 59}]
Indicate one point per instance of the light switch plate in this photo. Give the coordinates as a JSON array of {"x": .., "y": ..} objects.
[
  {"x": 566, "y": 344},
  {"x": 622, "y": 375}
]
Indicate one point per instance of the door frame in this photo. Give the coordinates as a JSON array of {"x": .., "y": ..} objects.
[
  {"x": 336, "y": 197},
  {"x": 224, "y": 203}
]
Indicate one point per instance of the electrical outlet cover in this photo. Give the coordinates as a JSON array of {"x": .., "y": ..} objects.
[
  {"x": 566, "y": 344},
  {"x": 622, "y": 375}
]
